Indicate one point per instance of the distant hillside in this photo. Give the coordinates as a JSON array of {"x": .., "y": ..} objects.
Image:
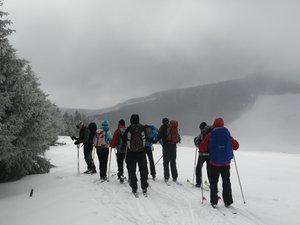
[
  {"x": 228, "y": 99},
  {"x": 271, "y": 125}
]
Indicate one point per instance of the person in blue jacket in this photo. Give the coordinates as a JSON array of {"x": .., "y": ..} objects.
[{"x": 152, "y": 133}]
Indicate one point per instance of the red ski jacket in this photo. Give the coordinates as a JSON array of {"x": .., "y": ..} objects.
[{"x": 114, "y": 141}]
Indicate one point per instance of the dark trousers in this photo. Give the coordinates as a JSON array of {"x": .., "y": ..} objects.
[
  {"x": 120, "y": 161},
  {"x": 169, "y": 158},
  {"x": 201, "y": 160},
  {"x": 151, "y": 161},
  {"x": 134, "y": 158},
  {"x": 103, "y": 158},
  {"x": 225, "y": 174},
  {"x": 88, "y": 151}
]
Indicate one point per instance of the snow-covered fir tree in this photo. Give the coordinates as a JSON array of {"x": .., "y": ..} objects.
[{"x": 29, "y": 122}]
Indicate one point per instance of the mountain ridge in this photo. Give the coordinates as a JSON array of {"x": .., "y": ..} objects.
[{"x": 228, "y": 99}]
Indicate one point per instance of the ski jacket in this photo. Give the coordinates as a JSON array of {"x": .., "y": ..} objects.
[
  {"x": 202, "y": 135},
  {"x": 204, "y": 145},
  {"x": 115, "y": 137},
  {"x": 84, "y": 135}
]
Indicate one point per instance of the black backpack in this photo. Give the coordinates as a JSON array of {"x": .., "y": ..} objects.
[
  {"x": 136, "y": 138},
  {"x": 92, "y": 127}
]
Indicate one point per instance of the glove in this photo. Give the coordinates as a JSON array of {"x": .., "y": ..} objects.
[
  {"x": 74, "y": 138},
  {"x": 77, "y": 142},
  {"x": 196, "y": 141}
]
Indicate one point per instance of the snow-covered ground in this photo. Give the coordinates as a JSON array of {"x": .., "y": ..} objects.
[{"x": 269, "y": 180}]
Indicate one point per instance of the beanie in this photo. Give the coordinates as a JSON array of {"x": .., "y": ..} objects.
[
  {"x": 165, "y": 120},
  {"x": 105, "y": 124},
  {"x": 122, "y": 122},
  {"x": 202, "y": 125},
  {"x": 78, "y": 124},
  {"x": 134, "y": 119}
]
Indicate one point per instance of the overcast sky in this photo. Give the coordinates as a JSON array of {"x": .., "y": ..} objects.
[{"x": 97, "y": 53}]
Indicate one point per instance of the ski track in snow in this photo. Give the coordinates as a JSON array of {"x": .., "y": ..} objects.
[
  {"x": 174, "y": 204},
  {"x": 84, "y": 199}
]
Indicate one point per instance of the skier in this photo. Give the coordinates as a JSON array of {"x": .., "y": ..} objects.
[
  {"x": 169, "y": 150},
  {"x": 152, "y": 133},
  {"x": 204, "y": 130},
  {"x": 121, "y": 149},
  {"x": 84, "y": 137},
  {"x": 103, "y": 140},
  {"x": 219, "y": 143},
  {"x": 135, "y": 135}
]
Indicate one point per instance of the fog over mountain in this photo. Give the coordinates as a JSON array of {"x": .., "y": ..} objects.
[{"x": 228, "y": 99}]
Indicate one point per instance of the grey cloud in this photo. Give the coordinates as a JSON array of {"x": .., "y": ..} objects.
[{"x": 117, "y": 50}]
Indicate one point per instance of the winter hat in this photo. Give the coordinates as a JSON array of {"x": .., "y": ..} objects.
[
  {"x": 219, "y": 122},
  {"x": 165, "y": 120},
  {"x": 105, "y": 124},
  {"x": 202, "y": 125},
  {"x": 122, "y": 122},
  {"x": 78, "y": 124},
  {"x": 134, "y": 119}
]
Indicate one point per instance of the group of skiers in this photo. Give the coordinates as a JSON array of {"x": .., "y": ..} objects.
[{"x": 133, "y": 143}]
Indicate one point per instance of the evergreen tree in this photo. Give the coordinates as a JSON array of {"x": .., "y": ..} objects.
[
  {"x": 29, "y": 122},
  {"x": 69, "y": 123},
  {"x": 70, "y": 128}
]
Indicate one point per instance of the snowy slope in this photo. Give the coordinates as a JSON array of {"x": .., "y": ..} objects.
[
  {"x": 61, "y": 197},
  {"x": 272, "y": 124}
]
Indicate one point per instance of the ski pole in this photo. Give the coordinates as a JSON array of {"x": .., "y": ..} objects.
[
  {"x": 239, "y": 178},
  {"x": 78, "y": 173},
  {"x": 201, "y": 178},
  {"x": 94, "y": 150},
  {"x": 194, "y": 167},
  {"x": 109, "y": 164},
  {"x": 125, "y": 160},
  {"x": 158, "y": 160}
]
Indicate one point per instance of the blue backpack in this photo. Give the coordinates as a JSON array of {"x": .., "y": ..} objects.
[{"x": 220, "y": 146}]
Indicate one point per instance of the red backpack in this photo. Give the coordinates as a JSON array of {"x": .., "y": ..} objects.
[{"x": 173, "y": 136}]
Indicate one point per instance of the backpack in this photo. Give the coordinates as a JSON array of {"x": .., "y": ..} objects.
[
  {"x": 220, "y": 146},
  {"x": 92, "y": 128},
  {"x": 101, "y": 139},
  {"x": 173, "y": 136},
  {"x": 136, "y": 138},
  {"x": 120, "y": 146},
  {"x": 151, "y": 134},
  {"x": 149, "y": 131}
]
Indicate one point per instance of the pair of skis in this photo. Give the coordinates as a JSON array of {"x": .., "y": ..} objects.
[
  {"x": 223, "y": 210},
  {"x": 168, "y": 183},
  {"x": 205, "y": 184}
]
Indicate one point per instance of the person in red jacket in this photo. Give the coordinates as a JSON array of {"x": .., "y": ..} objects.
[
  {"x": 219, "y": 144},
  {"x": 121, "y": 150}
]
